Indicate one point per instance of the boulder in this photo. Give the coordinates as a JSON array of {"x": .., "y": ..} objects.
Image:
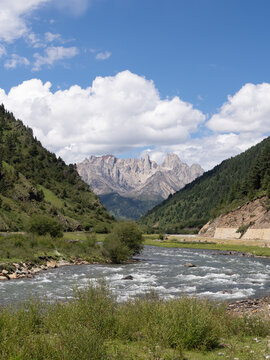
[
  {"x": 51, "y": 265},
  {"x": 4, "y": 272},
  {"x": 12, "y": 276},
  {"x": 128, "y": 277},
  {"x": 189, "y": 265},
  {"x": 3, "y": 278}
]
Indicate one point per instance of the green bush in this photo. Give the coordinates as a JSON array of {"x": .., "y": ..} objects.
[
  {"x": 130, "y": 235},
  {"x": 101, "y": 228},
  {"x": 42, "y": 225},
  {"x": 124, "y": 241},
  {"x": 115, "y": 250}
]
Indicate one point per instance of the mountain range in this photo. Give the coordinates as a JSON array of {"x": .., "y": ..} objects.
[{"x": 129, "y": 187}]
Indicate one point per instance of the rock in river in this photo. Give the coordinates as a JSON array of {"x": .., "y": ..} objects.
[
  {"x": 128, "y": 277},
  {"x": 189, "y": 265}
]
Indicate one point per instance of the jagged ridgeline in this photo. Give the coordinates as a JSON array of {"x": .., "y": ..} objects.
[
  {"x": 220, "y": 190},
  {"x": 34, "y": 181}
]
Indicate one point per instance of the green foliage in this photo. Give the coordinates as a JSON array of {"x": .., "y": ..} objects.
[
  {"x": 219, "y": 190},
  {"x": 100, "y": 228},
  {"x": 43, "y": 225},
  {"x": 124, "y": 241},
  {"x": 94, "y": 326},
  {"x": 115, "y": 250},
  {"x": 242, "y": 229},
  {"x": 129, "y": 234},
  {"x": 34, "y": 181},
  {"x": 34, "y": 248}
]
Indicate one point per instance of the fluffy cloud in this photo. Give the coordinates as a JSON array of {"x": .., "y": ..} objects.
[
  {"x": 207, "y": 151},
  {"x": 13, "y": 14},
  {"x": 241, "y": 122},
  {"x": 115, "y": 114},
  {"x": 15, "y": 61},
  {"x": 103, "y": 55},
  {"x": 247, "y": 111},
  {"x": 124, "y": 113},
  {"x": 53, "y": 54}
]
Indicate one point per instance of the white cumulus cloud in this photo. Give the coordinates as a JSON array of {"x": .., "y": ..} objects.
[
  {"x": 116, "y": 114},
  {"x": 207, "y": 151},
  {"x": 53, "y": 54},
  {"x": 13, "y": 17},
  {"x": 124, "y": 113},
  {"x": 247, "y": 111}
]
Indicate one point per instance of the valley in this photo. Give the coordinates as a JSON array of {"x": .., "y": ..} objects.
[
  {"x": 130, "y": 187},
  {"x": 134, "y": 180}
]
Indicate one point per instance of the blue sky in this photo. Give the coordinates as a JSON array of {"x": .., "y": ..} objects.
[{"x": 127, "y": 76}]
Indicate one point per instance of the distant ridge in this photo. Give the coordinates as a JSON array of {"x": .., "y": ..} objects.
[{"x": 142, "y": 181}]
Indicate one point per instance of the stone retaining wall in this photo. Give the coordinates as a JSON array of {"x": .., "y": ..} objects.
[
  {"x": 226, "y": 233},
  {"x": 261, "y": 234},
  {"x": 250, "y": 234}
]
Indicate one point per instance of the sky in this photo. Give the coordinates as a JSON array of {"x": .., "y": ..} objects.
[{"x": 129, "y": 77}]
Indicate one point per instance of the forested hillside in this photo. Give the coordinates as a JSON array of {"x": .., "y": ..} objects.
[
  {"x": 34, "y": 181},
  {"x": 228, "y": 185},
  {"x": 127, "y": 208}
]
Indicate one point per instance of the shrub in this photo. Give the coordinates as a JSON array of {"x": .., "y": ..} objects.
[
  {"x": 115, "y": 250},
  {"x": 91, "y": 239},
  {"x": 124, "y": 241},
  {"x": 101, "y": 228},
  {"x": 130, "y": 235},
  {"x": 43, "y": 225}
]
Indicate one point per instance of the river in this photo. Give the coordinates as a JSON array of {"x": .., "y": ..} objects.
[{"x": 160, "y": 269}]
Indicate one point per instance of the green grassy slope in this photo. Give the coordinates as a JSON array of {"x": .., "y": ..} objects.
[
  {"x": 219, "y": 190},
  {"x": 34, "y": 181}
]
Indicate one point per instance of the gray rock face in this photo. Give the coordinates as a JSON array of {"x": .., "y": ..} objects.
[{"x": 137, "y": 178}]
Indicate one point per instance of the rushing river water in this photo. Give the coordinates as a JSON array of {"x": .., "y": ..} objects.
[{"x": 162, "y": 269}]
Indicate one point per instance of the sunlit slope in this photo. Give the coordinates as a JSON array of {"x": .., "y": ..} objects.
[{"x": 34, "y": 181}]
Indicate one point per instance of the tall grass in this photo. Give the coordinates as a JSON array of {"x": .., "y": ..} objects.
[
  {"x": 29, "y": 247},
  {"x": 87, "y": 326}
]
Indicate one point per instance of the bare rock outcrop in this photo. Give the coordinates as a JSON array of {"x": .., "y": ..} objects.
[
  {"x": 249, "y": 221},
  {"x": 137, "y": 177}
]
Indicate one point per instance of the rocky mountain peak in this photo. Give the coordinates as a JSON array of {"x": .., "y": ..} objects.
[
  {"x": 137, "y": 177},
  {"x": 171, "y": 161}
]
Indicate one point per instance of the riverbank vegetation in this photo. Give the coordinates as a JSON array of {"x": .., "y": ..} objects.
[
  {"x": 205, "y": 245},
  {"x": 94, "y": 326},
  {"x": 45, "y": 241},
  {"x": 30, "y": 248},
  {"x": 123, "y": 242}
]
